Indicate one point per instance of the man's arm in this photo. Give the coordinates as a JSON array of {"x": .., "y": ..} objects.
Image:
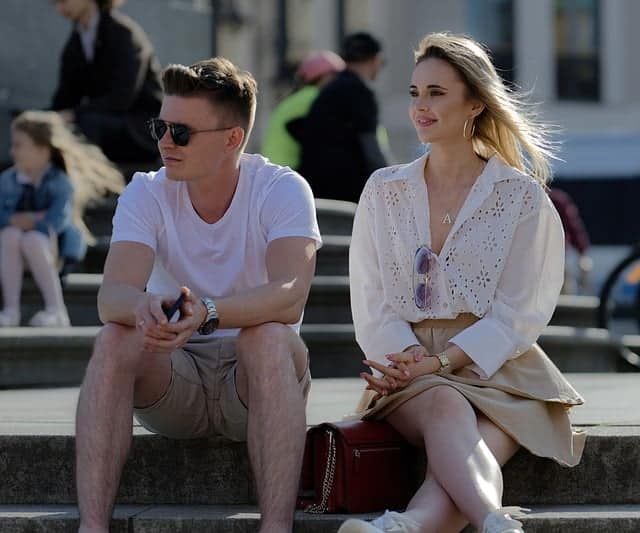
[
  {"x": 290, "y": 265},
  {"x": 126, "y": 272}
]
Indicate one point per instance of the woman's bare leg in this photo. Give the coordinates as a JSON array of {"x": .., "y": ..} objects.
[
  {"x": 11, "y": 266},
  {"x": 464, "y": 479}
]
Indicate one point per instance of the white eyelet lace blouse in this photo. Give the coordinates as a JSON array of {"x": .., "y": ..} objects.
[{"x": 503, "y": 261}]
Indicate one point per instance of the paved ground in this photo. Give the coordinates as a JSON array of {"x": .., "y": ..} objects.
[{"x": 611, "y": 399}]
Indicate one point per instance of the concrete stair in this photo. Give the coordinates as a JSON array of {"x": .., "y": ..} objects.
[
  {"x": 332, "y": 258},
  {"x": 244, "y": 519},
  {"x": 328, "y": 299},
  {"x": 58, "y": 356},
  {"x": 206, "y": 484},
  {"x": 328, "y": 302},
  {"x": 38, "y": 469}
]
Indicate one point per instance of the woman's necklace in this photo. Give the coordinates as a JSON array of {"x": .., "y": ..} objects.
[{"x": 448, "y": 218}]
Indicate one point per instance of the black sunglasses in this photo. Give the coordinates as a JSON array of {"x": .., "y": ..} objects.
[{"x": 180, "y": 133}]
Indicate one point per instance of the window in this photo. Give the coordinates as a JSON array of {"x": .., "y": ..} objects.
[
  {"x": 577, "y": 50},
  {"x": 491, "y": 23}
]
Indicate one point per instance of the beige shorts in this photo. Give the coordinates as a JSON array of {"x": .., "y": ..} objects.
[{"x": 202, "y": 399}]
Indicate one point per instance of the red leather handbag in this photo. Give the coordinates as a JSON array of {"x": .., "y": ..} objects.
[{"x": 356, "y": 467}]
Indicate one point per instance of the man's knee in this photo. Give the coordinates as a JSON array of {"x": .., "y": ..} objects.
[
  {"x": 269, "y": 347},
  {"x": 116, "y": 347}
]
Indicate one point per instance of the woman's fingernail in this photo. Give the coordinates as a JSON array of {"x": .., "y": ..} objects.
[
  {"x": 365, "y": 362},
  {"x": 389, "y": 356},
  {"x": 407, "y": 373}
]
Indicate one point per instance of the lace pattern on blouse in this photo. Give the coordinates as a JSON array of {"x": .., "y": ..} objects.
[{"x": 463, "y": 278}]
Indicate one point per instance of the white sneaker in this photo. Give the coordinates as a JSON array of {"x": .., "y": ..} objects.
[
  {"x": 48, "y": 318},
  {"x": 9, "y": 318},
  {"x": 499, "y": 521},
  {"x": 389, "y": 522}
]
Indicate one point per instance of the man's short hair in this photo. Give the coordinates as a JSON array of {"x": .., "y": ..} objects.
[
  {"x": 229, "y": 89},
  {"x": 359, "y": 47}
]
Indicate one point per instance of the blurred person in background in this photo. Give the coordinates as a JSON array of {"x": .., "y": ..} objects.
[
  {"x": 40, "y": 219},
  {"x": 315, "y": 71},
  {"x": 576, "y": 277},
  {"x": 109, "y": 82},
  {"x": 340, "y": 144}
]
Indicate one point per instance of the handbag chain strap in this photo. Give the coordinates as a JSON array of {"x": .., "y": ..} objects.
[{"x": 329, "y": 475}]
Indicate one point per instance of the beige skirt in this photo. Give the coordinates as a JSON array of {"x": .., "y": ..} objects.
[{"x": 528, "y": 397}]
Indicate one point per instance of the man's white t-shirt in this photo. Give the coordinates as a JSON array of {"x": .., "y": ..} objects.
[{"x": 229, "y": 256}]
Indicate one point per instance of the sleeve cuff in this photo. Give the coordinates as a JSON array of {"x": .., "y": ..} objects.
[
  {"x": 487, "y": 344},
  {"x": 297, "y": 233}
]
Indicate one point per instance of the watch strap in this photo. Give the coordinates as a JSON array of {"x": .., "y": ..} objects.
[
  {"x": 445, "y": 364},
  {"x": 210, "y": 323}
]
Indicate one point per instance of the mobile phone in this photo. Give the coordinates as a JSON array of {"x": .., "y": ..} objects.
[{"x": 175, "y": 306}]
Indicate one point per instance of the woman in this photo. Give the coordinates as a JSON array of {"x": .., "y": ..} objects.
[
  {"x": 40, "y": 213},
  {"x": 456, "y": 265}
]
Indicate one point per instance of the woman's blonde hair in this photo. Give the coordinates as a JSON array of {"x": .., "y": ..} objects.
[
  {"x": 507, "y": 127},
  {"x": 91, "y": 173}
]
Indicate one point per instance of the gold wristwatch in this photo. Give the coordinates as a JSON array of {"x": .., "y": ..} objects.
[{"x": 445, "y": 364}]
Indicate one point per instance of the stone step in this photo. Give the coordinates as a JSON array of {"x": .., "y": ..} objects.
[
  {"x": 335, "y": 217},
  {"x": 332, "y": 258},
  {"x": 58, "y": 356},
  {"x": 39, "y": 469},
  {"x": 244, "y": 519},
  {"x": 328, "y": 302},
  {"x": 328, "y": 299},
  {"x": 576, "y": 310}
]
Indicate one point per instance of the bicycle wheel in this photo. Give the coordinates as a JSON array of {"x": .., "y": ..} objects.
[{"x": 619, "y": 307}]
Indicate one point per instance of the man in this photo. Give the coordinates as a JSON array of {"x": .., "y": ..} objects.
[
  {"x": 240, "y": 235},
  {"x": 315, "y": 71},
  {"x": 340, "y": 148},
  {"x": 109, "y": 81}
]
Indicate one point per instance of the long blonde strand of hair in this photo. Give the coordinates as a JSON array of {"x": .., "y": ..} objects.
[{"x": 508, "y": 126}]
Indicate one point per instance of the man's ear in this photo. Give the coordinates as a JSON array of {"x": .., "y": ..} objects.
[{"x": 235, "y": 138}]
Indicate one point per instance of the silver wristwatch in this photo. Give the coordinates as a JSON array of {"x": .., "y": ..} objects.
[{"x": 210, "y": 323}]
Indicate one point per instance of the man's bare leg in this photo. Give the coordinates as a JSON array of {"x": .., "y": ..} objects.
[
  {"x": 272, "y": 358},
  {"x": 117, "y": 368}
]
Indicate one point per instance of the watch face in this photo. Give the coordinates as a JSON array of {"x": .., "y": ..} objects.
[{"x": 209, "y": 327}]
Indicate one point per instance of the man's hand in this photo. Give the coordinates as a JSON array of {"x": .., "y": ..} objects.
[{"x": 160, "y": 335}]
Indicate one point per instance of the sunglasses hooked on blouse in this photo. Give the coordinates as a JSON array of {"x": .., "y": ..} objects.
[
  {"x": 421, "y": 266},
  {"x": 180, "y": 133}
]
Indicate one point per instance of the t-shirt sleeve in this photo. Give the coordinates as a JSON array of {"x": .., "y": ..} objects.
[
  {"x": 288, "y": 209},
  {"x": 137, "y": 217}
]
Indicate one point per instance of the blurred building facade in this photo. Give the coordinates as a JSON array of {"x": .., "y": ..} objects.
[{"x": 577, "y": 57}]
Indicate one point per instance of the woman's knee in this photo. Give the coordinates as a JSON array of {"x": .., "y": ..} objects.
[
  {"x": 11, "y": 237},
  {"x": 445, "y": 401},
  {"x": 35, "y": 242}
]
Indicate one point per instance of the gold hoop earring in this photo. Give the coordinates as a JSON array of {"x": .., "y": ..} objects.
[{"x": 473, "y": 129}]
